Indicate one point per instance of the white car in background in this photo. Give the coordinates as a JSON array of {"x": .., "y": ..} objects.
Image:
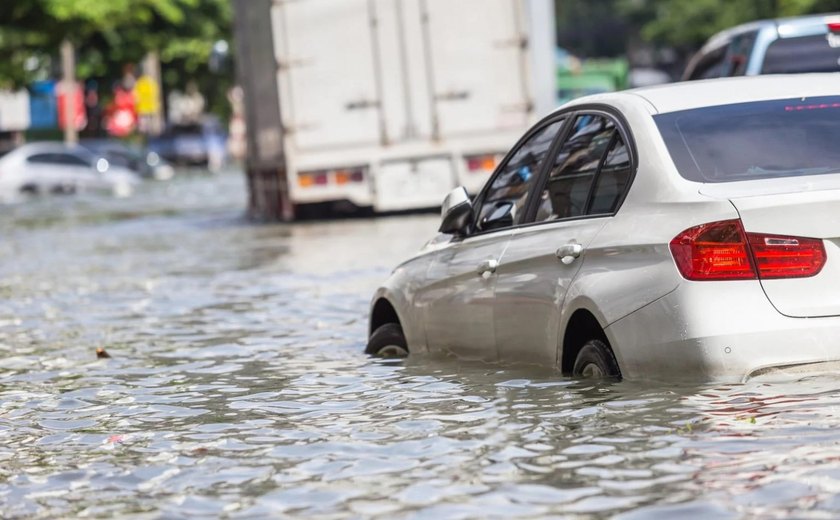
[
  {"x": 684, "y": 231},
  {"x": 55, "y": 168}
]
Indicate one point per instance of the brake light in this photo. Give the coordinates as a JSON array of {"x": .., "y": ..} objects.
[
  {"x": 325, "y": 177},
  {"x": 833, "y": 27},
  {"x": 715, "y": 251},
  {"x": 724, "y": 251},
  {"x": 786, "y": 257},
  {"x": 481, "y": 163}
]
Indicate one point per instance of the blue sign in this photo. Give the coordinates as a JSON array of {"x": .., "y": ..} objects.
[{"x": 43, "y": 106}]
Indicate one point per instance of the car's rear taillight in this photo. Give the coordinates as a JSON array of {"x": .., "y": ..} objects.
[
  {"x": 724, "y": 251},
  {"x": 481, "y": 163},
  {"x": 714, "y": 251},
  {"x": 786, "y": 257},
  {"x": 339, "y": 177}
]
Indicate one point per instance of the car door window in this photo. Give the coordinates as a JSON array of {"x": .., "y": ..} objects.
[
  {"x": 739, "y": 53},
  {"x": 58, "y": 158},
  {"x": 507, "y": 195},
  {"x": 41, "y": 158},
  {"x": 566, "y": 190},
  {"x": 612, "y": 179},
  {"x": 710, "y": 64}
]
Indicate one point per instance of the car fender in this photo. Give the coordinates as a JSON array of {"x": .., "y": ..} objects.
[{"x": 399, "y": 290}]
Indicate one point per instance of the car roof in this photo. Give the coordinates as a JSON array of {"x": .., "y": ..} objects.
[
  {"x": 792, "y": 26},
  {"x": 686, "y": 95},
  {"x": 33, "y": 148}
]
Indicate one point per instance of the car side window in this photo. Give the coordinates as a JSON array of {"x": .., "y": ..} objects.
[
  {"x": 57, "y": 158},
  {"x": 41, "y": 158},
  {"x": 710, "y": 65},
  {"x": 507, "y": 195},
  {"x": 739, "y": 53},
  {"x": 612, "y": 179},
  {"x": 566, "y": 191}
]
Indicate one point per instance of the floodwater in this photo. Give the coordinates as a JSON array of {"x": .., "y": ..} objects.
[{"x": 237, "y": 387}]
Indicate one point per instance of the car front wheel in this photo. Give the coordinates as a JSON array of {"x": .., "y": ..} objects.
[
  {"x": 596, "y": 361},
  {"x": 387, "y": 341}
]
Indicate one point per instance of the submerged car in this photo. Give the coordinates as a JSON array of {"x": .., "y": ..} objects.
[
  {"x": 784, "y": 46},
  {"x": 196, "y": 144},
  {"x": 56, "y": 168},
  {"x": 146, "y": 163},
  {"x": 689, "y": 230}
]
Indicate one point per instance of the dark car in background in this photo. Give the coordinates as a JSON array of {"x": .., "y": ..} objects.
[
  {"x": 201, "y": 144},
  {"x": 784, "y": 46},
  {"x": 147, "y": 163}
]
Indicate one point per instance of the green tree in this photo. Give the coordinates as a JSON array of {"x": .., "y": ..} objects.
[
  {"x": 687, "y": 24},
  {"x": 110, "y": 33}
]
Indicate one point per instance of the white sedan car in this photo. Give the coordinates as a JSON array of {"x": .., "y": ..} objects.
[
  {"x": 680, "y": 231},
  {"x": 52, "y": 168}
]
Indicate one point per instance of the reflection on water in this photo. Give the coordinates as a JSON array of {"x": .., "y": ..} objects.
[{"x": 237, "y": 387}]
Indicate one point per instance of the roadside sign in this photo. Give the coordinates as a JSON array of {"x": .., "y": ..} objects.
[
  {"x": 73, "y": 99},
  {"x": 42, "y": 105},
  {"x": 14, "y": 110},
  {"x": 147, "y": 94}
]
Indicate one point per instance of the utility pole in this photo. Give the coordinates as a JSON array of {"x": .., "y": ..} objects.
[
  {"x": 68, "y": 66},
  {"x": 256, "y": 64},
  {"x": 543, "y": 43},
  {"x": 151, "y": 69}
]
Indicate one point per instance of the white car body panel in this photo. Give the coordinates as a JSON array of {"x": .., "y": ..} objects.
[
  {"x": 531, "y": 286},
  {"x": 457, "y": 302}
]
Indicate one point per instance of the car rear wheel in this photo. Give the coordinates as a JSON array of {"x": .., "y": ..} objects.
[
  {"x": 388, "y": 341},
  {"x": 596, "y": 361}
]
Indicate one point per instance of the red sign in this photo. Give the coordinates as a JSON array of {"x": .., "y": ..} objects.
[{"x": 76, "y": 105}]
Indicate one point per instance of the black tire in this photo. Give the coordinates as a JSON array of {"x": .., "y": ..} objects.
[
  {"x": 387, "y": 341},
  {"x": 596, "y": 361}
]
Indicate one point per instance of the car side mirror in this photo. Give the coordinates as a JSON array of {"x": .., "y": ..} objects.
[
  {"x": 502, "y": 216},
  {"x": 456, "y": 212}
]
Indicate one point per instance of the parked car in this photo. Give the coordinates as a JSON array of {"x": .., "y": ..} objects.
[
  {"x": 788, "y": 45},
  {"x": 687, "y": 230},
  {"x": 199, "y": 144},
  {"x": 146, "y": 163},
  {"x": 54, "y": 168}
]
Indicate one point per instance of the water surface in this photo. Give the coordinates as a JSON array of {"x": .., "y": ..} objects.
[{"x": 237, "y": 387}]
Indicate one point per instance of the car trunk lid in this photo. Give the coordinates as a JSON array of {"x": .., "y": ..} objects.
[{"x": 795, "y": 207}]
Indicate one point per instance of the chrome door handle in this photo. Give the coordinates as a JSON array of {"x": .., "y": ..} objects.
[
  {"x": 487, "y": 267},
  {"x": 569, "y": 252}
]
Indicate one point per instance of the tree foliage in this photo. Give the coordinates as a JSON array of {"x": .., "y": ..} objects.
[
  {"x": 688, "y": 23},
  {"x": 109, "y": 33}
]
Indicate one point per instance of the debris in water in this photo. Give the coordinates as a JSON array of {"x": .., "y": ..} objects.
[{"x": 101, "y": 354}]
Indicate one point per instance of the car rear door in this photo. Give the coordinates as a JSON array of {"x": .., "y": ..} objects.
[
  {"x": 589, "y": 176},
  {"x": 458, "y": 303}
]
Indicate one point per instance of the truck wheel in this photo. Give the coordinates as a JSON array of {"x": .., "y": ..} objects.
[
  {"x": 387, "y": 341},
  {"x": 596, "y": 361}
]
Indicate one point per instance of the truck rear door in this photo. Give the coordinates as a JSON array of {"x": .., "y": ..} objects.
[
  {"x": 327, "y": 73},
  {"x": 477, "y": 65}
]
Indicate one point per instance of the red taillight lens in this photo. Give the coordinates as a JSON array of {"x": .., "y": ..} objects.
[
  {"x": 786, "y": 257},
  {"x": 833, "y": 27},
  {"x": 723, "y": 251},
  {"x": 715, "y": 251}
]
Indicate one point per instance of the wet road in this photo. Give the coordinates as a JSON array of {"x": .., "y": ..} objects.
[{"x": 236, "y": 387}]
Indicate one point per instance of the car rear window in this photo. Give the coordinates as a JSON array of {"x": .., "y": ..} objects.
[
  {"x": 802, "y": 54},
  {"x": 757, "y": 140}
]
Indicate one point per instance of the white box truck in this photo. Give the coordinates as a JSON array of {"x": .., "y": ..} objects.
[{"x": 389, "y": 104}]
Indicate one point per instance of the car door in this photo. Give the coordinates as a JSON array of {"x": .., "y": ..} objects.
[
  {"x": 457, "y": 303},
  {"x": 588, "y": 178}
]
